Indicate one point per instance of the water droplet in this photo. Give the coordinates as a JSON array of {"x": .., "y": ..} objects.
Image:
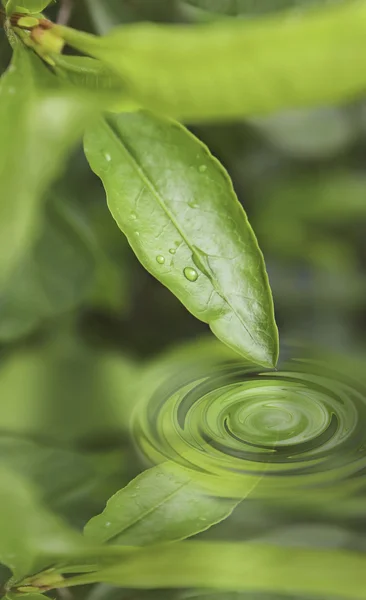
[
  {"x": 133, "y": 216},
  {"x": 190, "y": 274},
  {"x": 108, "y": 524},
  {"x": 107, "y": 157},
  {"x": 193, "y": 204},
  {"x": 160, "y": 259},
  {"x": 172, "y": 250},
  {"x": 202, "y": 168}
]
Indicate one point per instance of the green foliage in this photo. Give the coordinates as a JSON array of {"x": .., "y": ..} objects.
[
  {"x": 32, "y": 596},
  {"x": 30, "y": 6},
  {"x": 39, "y": 390},
  {"x": 233, "y": 69},
  {"x": 77, "y": 313},
  {"x": 54, "y": 277},
  {"x": 31, "y": 537},
  {"x": 91, "y": 74},
  {"x": 162, "y": 504},
  {"x": 235, "y": 566},
  {"x": 199, "y": 243},
  {"x": 43, "y": 123}
]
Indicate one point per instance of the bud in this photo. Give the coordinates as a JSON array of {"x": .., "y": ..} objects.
[{"x": 47, "y": 40}]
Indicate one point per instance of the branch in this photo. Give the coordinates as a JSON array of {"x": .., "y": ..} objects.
[{"x": 65, "y": 11}]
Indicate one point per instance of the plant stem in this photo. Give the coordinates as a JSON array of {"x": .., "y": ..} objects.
[{"x": 65, "y": 12}]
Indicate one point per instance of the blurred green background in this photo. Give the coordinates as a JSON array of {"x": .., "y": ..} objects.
[{"x": 81, "y": 319}]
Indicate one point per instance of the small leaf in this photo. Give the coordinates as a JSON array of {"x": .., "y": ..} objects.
[
  {"x": 31, "y": 537},
  {"x": 236, "y": 68},
  {"x": 42, "y": 123},
  {"x": 162, "y": 504},
  {"x": 177, "y": 207},
  {"x": 29, "y": 6}
]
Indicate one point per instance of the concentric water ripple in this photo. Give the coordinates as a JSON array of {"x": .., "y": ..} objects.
[{"x": 236, "y": 430}]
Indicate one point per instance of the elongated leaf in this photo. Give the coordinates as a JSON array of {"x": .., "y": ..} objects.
[
  {"x": 162, "y": 504},
  {"x": 236, "y": 68},
  {"x": 31, "y": 537},
  {"x": 179, "y": 212},
  {"x": 236, "y": 566},
  {"x": 42, "y": 123}
]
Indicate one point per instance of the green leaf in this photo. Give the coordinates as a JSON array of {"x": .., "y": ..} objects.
[
  {"x": 240, "y": 567},
  {"x": 42, "y": 123},
  {"x": 29, "y": 6},
  {"x": 162, "y": 504},
  {"x": 31, "y": 537},
  {"x": 56, "y": 276},
  {"x": 177, "y": 207},
  {"x": 235, "y": 68}
]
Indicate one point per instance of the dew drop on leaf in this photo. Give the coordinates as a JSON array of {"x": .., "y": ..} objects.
[
  {"x": 107, "y": 157},
  {"x": 202, "y": 168},
  {"x": 160, "y": 259},
  {"x": 190, "y": 274},
  {"x": 133, "y": 216},
  {"x": 172, "y": 250}
]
